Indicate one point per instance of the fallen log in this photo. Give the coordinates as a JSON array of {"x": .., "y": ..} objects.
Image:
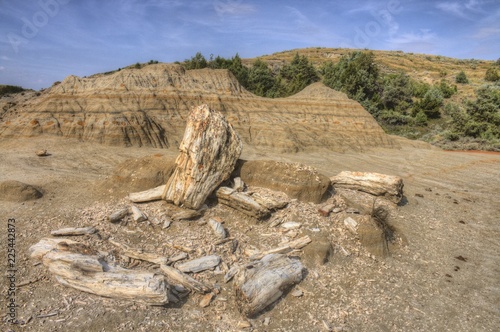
[
  {"x": 389, "y": 186},
  {"x": 119, "y": 215},
  {"x": 208, "y": 153},
  {"x": 147, "y": 195},
  {"x": 90, "y": 273},
  {"x": 261, "y": 283},
  {"x": 242, "y": 202}
]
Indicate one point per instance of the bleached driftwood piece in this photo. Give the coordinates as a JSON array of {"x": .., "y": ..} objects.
[
  {"x": 208, "y": 153},
  {"x": 389, "y": 186},
  {"x": 199, "y": 264},
  {"x": 284, "y": 248},
  {"x": 72, "y": 231},
  {"x": 147, "y": 195},
  {"x": 140, "y": 254},
  {"x": 176, "y": 277},
  {"x": 73, "y": 267},
  {"x": 242, "y": 202},
  {"x": 260, "y": 283}
]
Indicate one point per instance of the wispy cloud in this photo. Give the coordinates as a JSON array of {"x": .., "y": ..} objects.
[
  {"x": 233, "y": 8},
  {"x": 485, "y": 33},
  {"x": 461, "y": 9},
  {"x": 2, "y": 68},
  {"x": 423, "y": 41}
]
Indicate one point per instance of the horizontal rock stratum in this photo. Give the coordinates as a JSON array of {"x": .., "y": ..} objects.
[{"x": 149, "y": 107}]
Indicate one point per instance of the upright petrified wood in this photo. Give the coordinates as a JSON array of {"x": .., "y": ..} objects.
[
  {"x": 260, "y": 283},
  {"x": 208, "y": 154}
]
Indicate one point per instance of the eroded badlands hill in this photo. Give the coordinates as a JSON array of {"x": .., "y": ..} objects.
[{"x": 148, "y": 107}]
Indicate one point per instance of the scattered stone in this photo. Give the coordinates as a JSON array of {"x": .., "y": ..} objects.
[
  {"x": 391, "y": 187},
  {"x": 239, "y": 185},
  {"x": 217, "y": 227},
  {"x": 200, "y": 264},
  {"x": 326, "y": 209},
  {"x": 244, "y": 324},
  {"x": 166, "y": 223},
  {"x": 118, "y": 215},
  {"x": 208, "y": 154},
  {"x": 267, "y": 321},
  {"x": 15, "y": 191},
  {"x": 297, "y": 293},
  {"x": 206, "y": 300},
  {"x": 137, "y": 214},
  {"x": 318, "y": 252},
  {"x": 352, "y": 211},
  {"x": 42, "y": 153},
  {"x": 351, "y": 224},
  {"x": 291, "y": 225},
  {"x": 336, "y": 210}
]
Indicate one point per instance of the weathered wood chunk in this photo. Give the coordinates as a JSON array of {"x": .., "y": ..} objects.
[
  {"x": 176, "y": 277},
  {"x": 200, "y": 264},
  {"x": 138, "y": 215},
  {"x": 208, "y": 154},
  {"x": 72, "y": 231},
  {"x": 147, "y": 195},
  {"x": 260, "y": 283},
  {"x": 118, "y": 215},
  {"x": 389, "y": 186},
  {"x": 242, "y": 202},
  {"x": 140, "y": 254}
]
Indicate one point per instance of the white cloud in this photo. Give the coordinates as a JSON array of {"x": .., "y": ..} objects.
[
  {"x": 232, "y": 7},
  {"x": 461, "y": 9},
  {"x": 423, "y": 41},
  {"x": 2, "y": 68},
  {"x": 485, "y": 33}
]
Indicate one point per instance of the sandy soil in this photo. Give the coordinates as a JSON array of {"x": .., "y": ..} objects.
[{"x": 447, "y": 277}]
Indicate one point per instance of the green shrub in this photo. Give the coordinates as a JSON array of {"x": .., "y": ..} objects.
[
  {"x": 491, "y": 75},
  {"x": 6, "y": 89},
  {"x": 461, "y": 78}
]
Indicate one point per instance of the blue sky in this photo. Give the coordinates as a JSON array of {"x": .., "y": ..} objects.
[{"x": 43, "y": 41}]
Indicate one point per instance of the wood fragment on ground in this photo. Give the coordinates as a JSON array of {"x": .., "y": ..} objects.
[
  {"x": 73, "y": 231},
  {"x": 261, "y": 283},
  {"x": 140, "y": 254},
  {"x": 150, "y": 195},
  {"x": 242, "y": 202},
  {"x": 199, "y": 264},
  {"x": 176, "y": 277}
]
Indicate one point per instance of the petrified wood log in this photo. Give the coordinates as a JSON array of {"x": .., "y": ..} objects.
[
  {"x": 389, "y": 186},
  {"x": 208, "y": 154},
  {"x": 260, "y": 283},
  {"x": 78, "y": 266},
  {"x": 242, "y": 202}
]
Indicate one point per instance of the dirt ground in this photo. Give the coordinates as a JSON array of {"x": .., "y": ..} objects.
[{"x": 446, "y": 277}]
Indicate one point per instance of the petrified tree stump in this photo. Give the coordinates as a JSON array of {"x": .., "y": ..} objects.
[{"x": 208, "y": 154}]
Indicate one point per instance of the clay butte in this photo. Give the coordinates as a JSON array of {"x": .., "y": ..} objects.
[{"x": 149, "y": 107}]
